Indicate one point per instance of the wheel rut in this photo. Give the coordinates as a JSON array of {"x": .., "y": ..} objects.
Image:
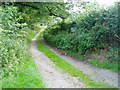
[
  {"x": 97, "y": 74},
  {"x": 53, "y": 77}
]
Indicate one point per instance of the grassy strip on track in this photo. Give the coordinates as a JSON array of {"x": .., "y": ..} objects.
[{"x": 65, "y": 66}]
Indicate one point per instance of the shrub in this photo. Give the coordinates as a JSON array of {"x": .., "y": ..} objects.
[
  {"x": 91, "y": 31},
  {"x": 14, "y": 39}
]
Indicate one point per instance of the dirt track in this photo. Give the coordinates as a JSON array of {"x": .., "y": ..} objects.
[
  {"x": 97, "y": 74},
  {"x": 55, "y": 78},
  {"x": 52, "y": 76}
]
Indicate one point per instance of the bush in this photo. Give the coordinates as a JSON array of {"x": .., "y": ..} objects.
[
  {"x": 13, "y": 52},
  {"x": 14, "y": 40},
  {"x": 93, "y": 30}
]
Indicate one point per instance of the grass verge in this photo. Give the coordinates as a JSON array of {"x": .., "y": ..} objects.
[
  {"x": 95, "y": 62},
  {"x": 66, "y": 67},
  {"x": 105, "y": 65},
  {"x": 28, "y": 75}
]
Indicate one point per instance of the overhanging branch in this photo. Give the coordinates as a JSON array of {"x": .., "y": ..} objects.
[{"x": 51, "y": 13}]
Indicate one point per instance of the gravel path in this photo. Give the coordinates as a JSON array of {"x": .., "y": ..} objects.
[
  {"x": 97, "y": 74},
  {"x": 52, "y": 76}
]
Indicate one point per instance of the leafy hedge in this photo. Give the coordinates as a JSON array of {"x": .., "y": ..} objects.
[
  {"x": 18, "y": 69},
  {"x": 14, "y": 51},
  {"x": 93, "y": 30},
  {"x": 14, "y": 39}
]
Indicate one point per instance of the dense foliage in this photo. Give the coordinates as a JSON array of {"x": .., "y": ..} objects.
[
  {"x": 14, "y": 49},
  {"x": 95, "y": 29},
  {"x": 19, "y": 22}
]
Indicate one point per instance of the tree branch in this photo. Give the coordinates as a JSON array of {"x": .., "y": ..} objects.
[
  {"x": 20, "y": 4},
  {"x": 26, "y": 5},
  {"x": 51, "y": 13}
]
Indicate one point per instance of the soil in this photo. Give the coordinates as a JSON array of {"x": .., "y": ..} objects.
[
  {"x": 53, "y": 77},
  {"x": 97, "y": 74}
]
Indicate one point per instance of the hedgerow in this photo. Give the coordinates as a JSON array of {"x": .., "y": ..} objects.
[
  {"x": 93, "y": 30},
  {"x": 14, "y": 39},
  {"x": 17, "y": 66}
]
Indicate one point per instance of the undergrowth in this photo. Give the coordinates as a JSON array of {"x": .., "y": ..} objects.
[
  {"x": 95, "y": 62},
  {"x": 106, "y": 65},
  {"x": 17, "y": 67},
  {"x": 20, "y": 71},
  {"x": 28, "y": 77}
]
